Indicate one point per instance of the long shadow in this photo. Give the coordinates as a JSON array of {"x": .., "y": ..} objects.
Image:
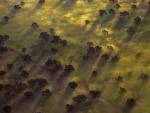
[
  {"x": 85, "y": 67},
  {"x": 12, "y": 13},
  {"x": 66, "y": 4},
  {"x": 101, "y": 21},
  {"x": 102, "y": 61},
  {"x": 8, "y": 96},
  {"x": 18, "y": 64},
  {"x": 36, "y": 8},
  {"x": 64, "y": 98},
  {"x": 29, "y": 31},
  {"x": 147, "y": 13},
  {"x": 24, "y": 104},
  {"x": 95, "y": 24},
  {"x": 40, "y": 51},
  {"x": 3, "y": 22},
  {"x": 109, "y": 18},
  {"x": 61, "y": 81},
  {"x": 129, "y": 35},
  {"x": 132, "y": 30},
  {"x": 40, "y": 103},
  {"x": 146, "y": 18},
  {"x": 40, "y": 46},
  {"x": 124, "y": 20}
]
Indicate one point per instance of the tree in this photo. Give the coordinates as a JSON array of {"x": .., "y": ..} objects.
[
  {"x": 27, "y": 58},
  {"x": 39, "y": 83},
  {"x": 17, "y": 7},
  {"x": 119, "y": 78},
  {"x": 34, "y": 25},
  {"x": 46, "y": 93},
  {"x": 24, "y": 73},
  {"x": 94, "y": 73},
  {"x": 3, "y": 49},
  {"x": 69, "y": 108},
  {"x": 7, "y": 109},
  {"x": 2, "y": 73},
  {"x": 134, "y": 6},
  {"x": 54, "y": 50},
  {"x": 6, "y": 19},
  {"x": 9, "y": 66},
  {"x": 73, "y": 85},
  {"x": 102, "y": 12},
  {"x": 124, "y": 13},
  {"x": 22, "y": 3},
  {"x": 53, "y": 66},
  {"x": 44, "y": 36},
  {"x": 105, "y": 57},
  {"x": 137, "y": 20},
  {"x": 130, "y": 103},
  {"x": 69, "y": 68},
  {"x": 112, "y": 11},
  {"x": 3, "y": 39},
  {"x": 80, "y": 98},
  {"x": 41, "y": 1},
  {"x": 122, "y": 90},
  {"x": 131, "y": 30},
  {"x": 28, "y": 94},
  {"x": 115, "y": 58},
  {"x": 144, "y": 77},
  {"x": 95, "y": 93},
  {"x": 71, "y": 58},
  {"x": 23, "y": 50},
  {"x": 87, "y": 22}
]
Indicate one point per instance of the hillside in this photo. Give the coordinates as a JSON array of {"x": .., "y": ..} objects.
[{"x": 74, "y": 56}]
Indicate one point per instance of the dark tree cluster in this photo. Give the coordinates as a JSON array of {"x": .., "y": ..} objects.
[
  {"x": 17, "y": 7},
  {"x": 65, "y": 74},
  {"x": 38, "y": 83},
  {"x": 83, "y": 102},
  {"x": 43, "y": 35},
  {"x": 130, "y": 103},
  {"x": 18, "y": 72},
  {"x": 8, "y": 92},
  {"x": 92, "y": 53},
  {"x": 103, "y": 12},
  {"x": 3, "y": 39},
  {"x": 58, "y": 41},
  {"x": 41, "y": 1},
  {"x": 3, "y": 49},
  {"x": 53, "y": 66}
]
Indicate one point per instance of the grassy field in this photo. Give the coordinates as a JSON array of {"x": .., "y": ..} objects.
[{"x": 68, "y": 19}]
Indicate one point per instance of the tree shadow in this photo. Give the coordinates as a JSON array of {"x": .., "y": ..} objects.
[
  {"x": 36, "y": 8},
  {"x": 67, "y": 4},
  {"x": 121, "y": 23},
  {"x": 24, "y": 104},
  {"x": 66, "y": 95},
  {"x": 3, "y": 23},
  {"x": 124, "y": 20},
  {"x": 29, "y": 31}
]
